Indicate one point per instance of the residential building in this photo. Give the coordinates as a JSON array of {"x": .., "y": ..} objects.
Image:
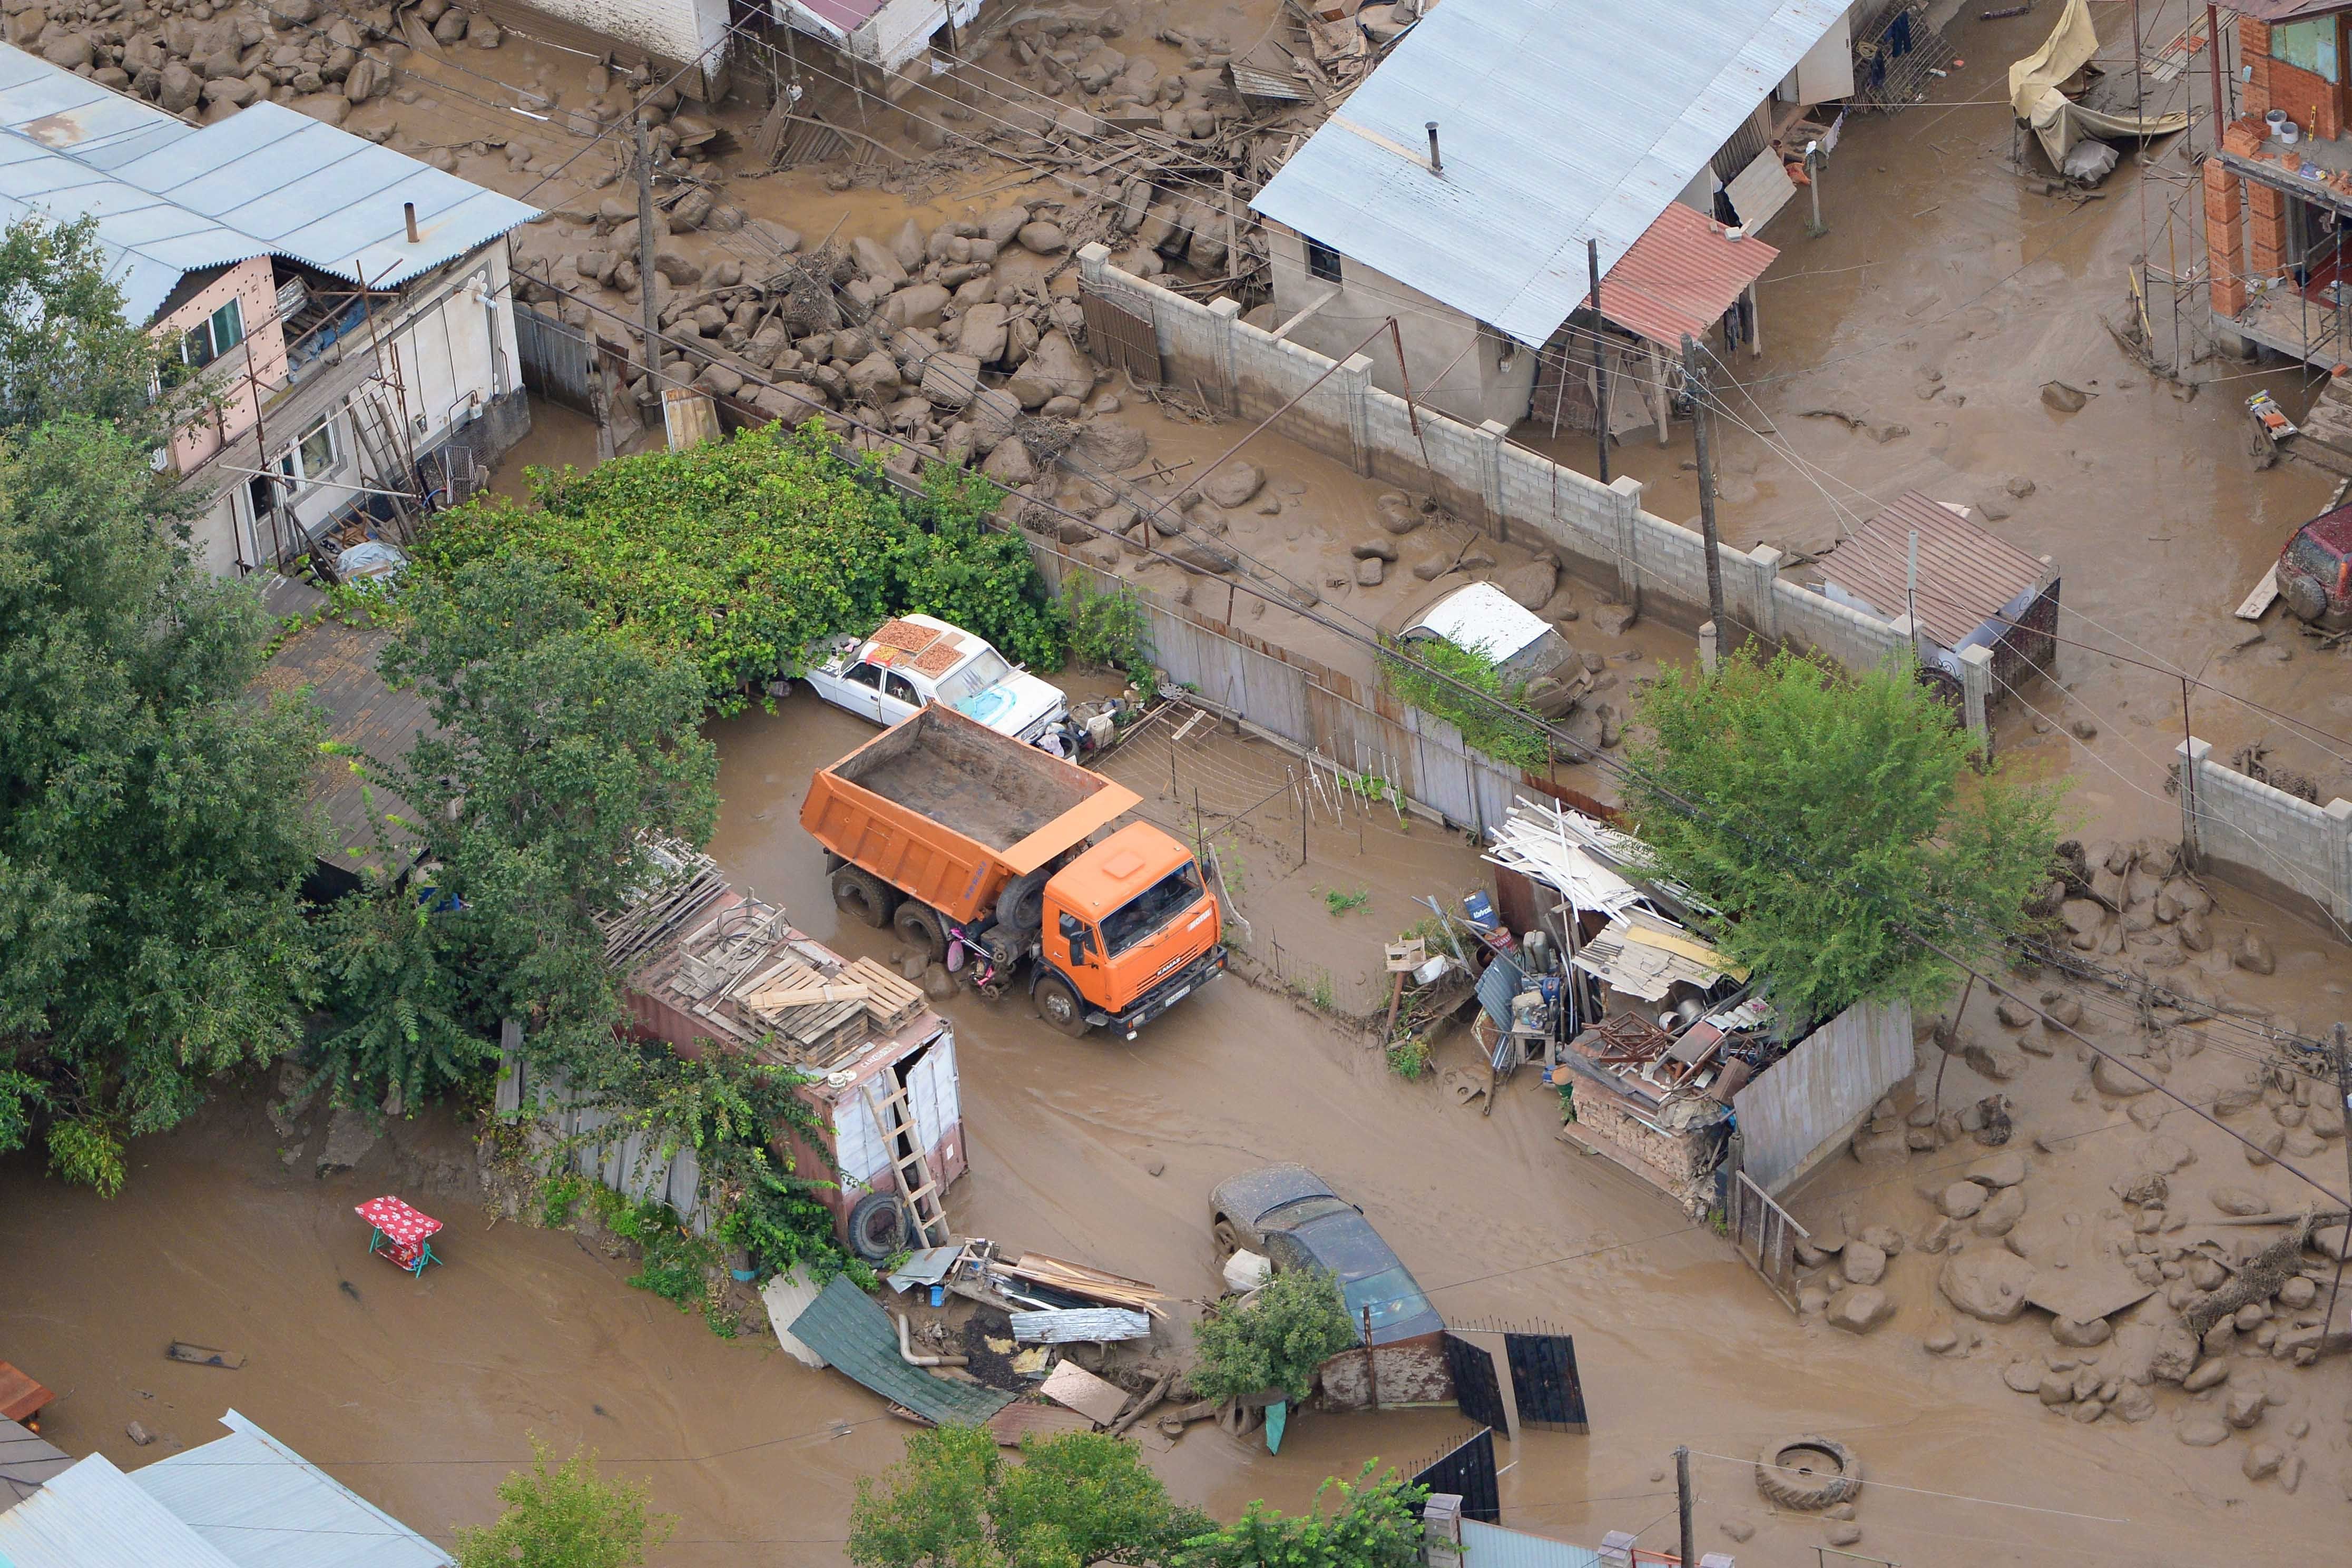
[
  {"x": 245, "y": 1500},
  {"x": 1457, "y": 187},
  {"x": 343, "y": 308},
  {"x": 687, "y": 42},
  {"x": 2278, "y": 194},
  {"x": 881, "y": 40}
]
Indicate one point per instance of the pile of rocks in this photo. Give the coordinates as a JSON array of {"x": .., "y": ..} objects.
[
  {"x": 1848, "y": 1271},
  {"x": 186, "y": 55},
  {"x": 2119, "y": 898}
]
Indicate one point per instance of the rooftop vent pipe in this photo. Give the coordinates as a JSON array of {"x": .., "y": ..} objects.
[
  {"x": 1436, "y": 164},
  {"x": 408, "y": 209}
]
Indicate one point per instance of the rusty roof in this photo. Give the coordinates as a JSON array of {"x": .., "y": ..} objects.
[
  {"x": 337, "y": 663},
  {"x": 1680, "y": 276},
  {"x": 1966, "y": 574}
]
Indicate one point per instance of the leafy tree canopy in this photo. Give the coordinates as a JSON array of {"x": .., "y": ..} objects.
[
  {"x": 152, "y": 826},
  {"x": 1294, "y": 1323},
  {"x": 563, "y": 1515},
  {"x": 1372, "y": 1523},
  {"x": 740, "y": 555},
  {"x": 1831, "y": 815},
  {"x": 1074, "y": 1499},
  {"x": 65, "y": 348}
]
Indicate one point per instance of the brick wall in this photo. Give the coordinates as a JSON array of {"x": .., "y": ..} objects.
[
  {"x": 2309, "y": 99},
  {"x": 2265, "y": 230},
  {"x": 2255, "y": 55},
  {"x": 2225, "y": 235}
]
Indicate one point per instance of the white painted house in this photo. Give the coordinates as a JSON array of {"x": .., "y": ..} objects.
[
  {"x": 347, "y": 305},
  {"x": 887, "y": 35}
]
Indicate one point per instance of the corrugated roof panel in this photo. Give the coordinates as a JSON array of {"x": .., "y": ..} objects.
[
  {"x": 1491, "y": 1546},
  {"x": 268, "y": 180},
  {"x": 1557, "y": 120},
  {"x": 262, "y": 1505},
  {"x": 1966, "y": 573},
  {"x": 25, "y": 1462},
  {"x": 90, "y": 1516},
  {"x": 854, "y": 1336},
  {"x": 1681, "y": 275}
]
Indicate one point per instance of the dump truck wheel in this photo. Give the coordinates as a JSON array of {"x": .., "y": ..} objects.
[
  {"x": 1062, "y": 1006},
  {"x": 918, "y": 928},
  {"x": 1022, "y": 905},
  {"x": 1808, "y": 1473},
  {"x": 877, "y": 1227},
  {"x": 864, "y": 896}
]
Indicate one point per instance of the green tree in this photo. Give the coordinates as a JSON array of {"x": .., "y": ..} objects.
[
  {"x": 565, "y": 1516},
  {"x": 65, "y": 348},
  {"x": 955, "y": 1501},
  {"x": 1834, "y": 818},
  {"x": 153, "y": 831},
  {"x": 1294, "y": 1323},
  {"x": 1373, "y": 1523}
]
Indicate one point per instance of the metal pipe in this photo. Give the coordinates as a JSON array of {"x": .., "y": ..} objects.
[
  {"x": 408, "y": 216},
  {"x": 907, "y": 1350},
  {"x": 2213, "y": 59},
  {"x": 1436, "y": 164}
]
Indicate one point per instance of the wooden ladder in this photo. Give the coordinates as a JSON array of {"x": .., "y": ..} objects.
[{"x": 892, "y": 1116}]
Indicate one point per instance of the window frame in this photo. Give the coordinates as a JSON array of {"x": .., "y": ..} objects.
[
  {"x": 295, "y": 465},
  {"x": 1323, "y": 261},
  {"x": 216, "y": 338}
]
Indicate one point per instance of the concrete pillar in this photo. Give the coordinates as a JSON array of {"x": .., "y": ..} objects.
[
  {"x": 1617, "y": 1549},
  {"x": 1491, "y": 434},
  {"x": 2190, "y": 765},
  {"x": 2265, "y": 230},
  {"x": 2225, "y": 237},
  {"x": 1976, "y": 687},
  {"x": 1441, "y": 1530},
  {"x": 1094, "y": 263},
  {"x": 2339, "y": 820},
  {"x": 1626, "y": 495},
  {"x": 1352, "y": 383},
  {"x": 1906, "y": 650},
  {"x": 1228, "y": 314},
  {"x": 1709, "y": 648},
  {"x": 1764, "y": 602}
]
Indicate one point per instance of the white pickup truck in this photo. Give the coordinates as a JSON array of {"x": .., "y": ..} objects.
[{"x": 912, "y": 660}]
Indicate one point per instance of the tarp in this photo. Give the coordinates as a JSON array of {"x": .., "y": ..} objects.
[{"x": 2058, "y": 120}]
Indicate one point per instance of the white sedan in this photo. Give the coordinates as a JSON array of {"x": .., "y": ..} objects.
[{"x": 912, "y": 660}]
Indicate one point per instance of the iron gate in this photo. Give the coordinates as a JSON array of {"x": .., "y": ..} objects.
[
  {"x": 558, "y": 361},
  {"x": 1544, "y": 1384},
  {"x": 1466, "y": 1471},
  {"x": 1765, "y": 1235},
  {"x": 1121, "y": 338},
  {"x": 1475, "y": 1388}
]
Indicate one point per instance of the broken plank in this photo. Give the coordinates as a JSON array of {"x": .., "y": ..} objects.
[
  {"x": 205, "y": 1355},
  {"x": 1097, "y": 1325},
  {"x": 2263, "y": 595}
]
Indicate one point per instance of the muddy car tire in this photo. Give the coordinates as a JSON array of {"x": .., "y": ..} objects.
[
  {"x": 2306, "y": 599},
  {"x": 1808, "y": 1473},
  {"x": 1228, "y": 1237},
  {"x": 878, "y": 1227},
  {"x": 1059, "y": 1004},
  {"x": 864, "y": 897},
  {"x": 918, "y": 928}
]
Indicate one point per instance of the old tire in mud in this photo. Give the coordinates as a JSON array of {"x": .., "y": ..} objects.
[
  {"x": 1059, "y": 1004},
  {"x": 918, "y": 928},
  {"x": 1808, "y": 1473},
  {"x": 864, "y": 897},
  {"x": 877, "y": 1227},
  {"x": 1228, "y": 1237}
]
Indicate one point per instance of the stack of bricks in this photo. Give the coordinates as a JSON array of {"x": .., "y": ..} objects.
[
  {"x": 2265, "y": 230},
  {"x": 2255, "y": 55},
  {"x": 2225, "y": 237}
]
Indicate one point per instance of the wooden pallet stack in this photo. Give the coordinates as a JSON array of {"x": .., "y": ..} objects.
[{"x": 822, "y": 1019}]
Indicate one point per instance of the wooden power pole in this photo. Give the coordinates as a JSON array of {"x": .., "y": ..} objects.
[
  {"x": 649, "y": 281},
  {"x": 1696, "y": 373}
]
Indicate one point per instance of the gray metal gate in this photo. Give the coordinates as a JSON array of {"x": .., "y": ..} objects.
[
  {"x": 1120, "y": 338},
  {"x": 558, "y": 361},
  {"x": 1765, "y": 1235}
]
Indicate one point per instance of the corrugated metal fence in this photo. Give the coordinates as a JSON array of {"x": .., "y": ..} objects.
[
  {"x": 627, "y": 1161},
  {"x": 558, "y": 361},
  {"x": 1820, "y": 1089}
]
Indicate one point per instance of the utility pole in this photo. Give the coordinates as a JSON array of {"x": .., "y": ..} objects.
[
  {"x": 1683, "y": 1505},
  {"x": 649, "y": 281},
  {"x": 1600, "y": 362},
  {"x": 1696, "y": 373}
]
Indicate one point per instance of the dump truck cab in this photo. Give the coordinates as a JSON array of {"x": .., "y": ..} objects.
[{"x": 1129, "y": 932}]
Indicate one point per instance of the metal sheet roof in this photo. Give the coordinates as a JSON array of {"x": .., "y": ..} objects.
[
  {"x": 857, "y": 1337},
  {"x": 1557, "y": 120},
  {"x": 1681, "y": 275},
  {"x": 1491, "y": 1546},
  {"x": 170, "y": 197},
  {"x": 1966, "y": 574},
  {"x": 259, "y": 1504},
  {"x": 92, "y": 1515},
  {"x": 26, "y": 1461}
]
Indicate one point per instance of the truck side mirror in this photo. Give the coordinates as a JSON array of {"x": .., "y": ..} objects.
[{"x": 1081, "y": 940}]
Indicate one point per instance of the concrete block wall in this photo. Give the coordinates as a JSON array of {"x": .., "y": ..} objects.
[
  {"x": 2247, "y": 825},
  {"x": 1599, "y": 531}
]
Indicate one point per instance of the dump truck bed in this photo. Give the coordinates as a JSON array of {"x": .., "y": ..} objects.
[{"x": 948, "y": 810}]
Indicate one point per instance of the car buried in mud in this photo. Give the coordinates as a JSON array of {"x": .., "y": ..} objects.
[
  {"x": 1291, "y": 1215},
  {"x": 2314, "y": 571},
  {"x": 911, "y": 660}
]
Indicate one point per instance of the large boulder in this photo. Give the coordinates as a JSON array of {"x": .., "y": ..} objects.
[
  {"x": 950, "y": 381},
  {"x": 1858, "y": 1309},
  {"x": 180, "y": 87},
  {"x": 874, "y": 378},
  {"x": 1111, "y": 447},
  {"x": 1233, "y": 483},
  {"x": 1986, "y": 1282},
  {"x": 917, "y": 305},
  {"x": 1054, "y": 369},
  {"x": 1009, "y": 464},
  {"x": 981, "y": 331},
  {"x": 1196, "y": 554},
  {"x": 1531, "y": 585},
  {"x": 907, "y": 245},
  {"x": 877, "y": 263}
]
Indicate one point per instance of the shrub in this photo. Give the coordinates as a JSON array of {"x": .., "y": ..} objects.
[
  {"x": 1294, "y": 1323},
  {"x": 1431, "y": 676}
]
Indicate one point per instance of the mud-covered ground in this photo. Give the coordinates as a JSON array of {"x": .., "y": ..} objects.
[{"x": 1945, "y": 294}]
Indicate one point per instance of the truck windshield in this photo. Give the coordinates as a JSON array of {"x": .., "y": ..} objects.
[
  {"x": 975, "y": 678},
  {"x": 1150, "y": 910}
]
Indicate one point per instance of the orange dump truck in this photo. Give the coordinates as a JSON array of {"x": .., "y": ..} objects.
[{"x": 946, "y": 829}]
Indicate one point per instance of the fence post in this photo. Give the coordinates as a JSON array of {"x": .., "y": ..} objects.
[
  {"x": 1226, "y": 313},
  {"x": 2339, "y": 817},
  {"x": 1624, "y": 523},
  {"x": 1094, "y": 261},
  {"x": 2191, "y": 767},
  {"x": 1976, "y": 690},
  {"x": 1709, "y": 646},
  {"x": 1766, "y": 562},
  {"x": 1354, "y": 382}
]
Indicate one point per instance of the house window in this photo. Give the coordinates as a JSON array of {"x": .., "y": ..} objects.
[
  {"x": 1322, "y": 261},
  {"x": 2307, "y": 46},
  {"x": 313, "y": 455},
  {"x": 215, "y": 335}
]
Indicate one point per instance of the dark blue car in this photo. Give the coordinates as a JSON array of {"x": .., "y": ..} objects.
[{"x": 1287, "y": 1212}]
